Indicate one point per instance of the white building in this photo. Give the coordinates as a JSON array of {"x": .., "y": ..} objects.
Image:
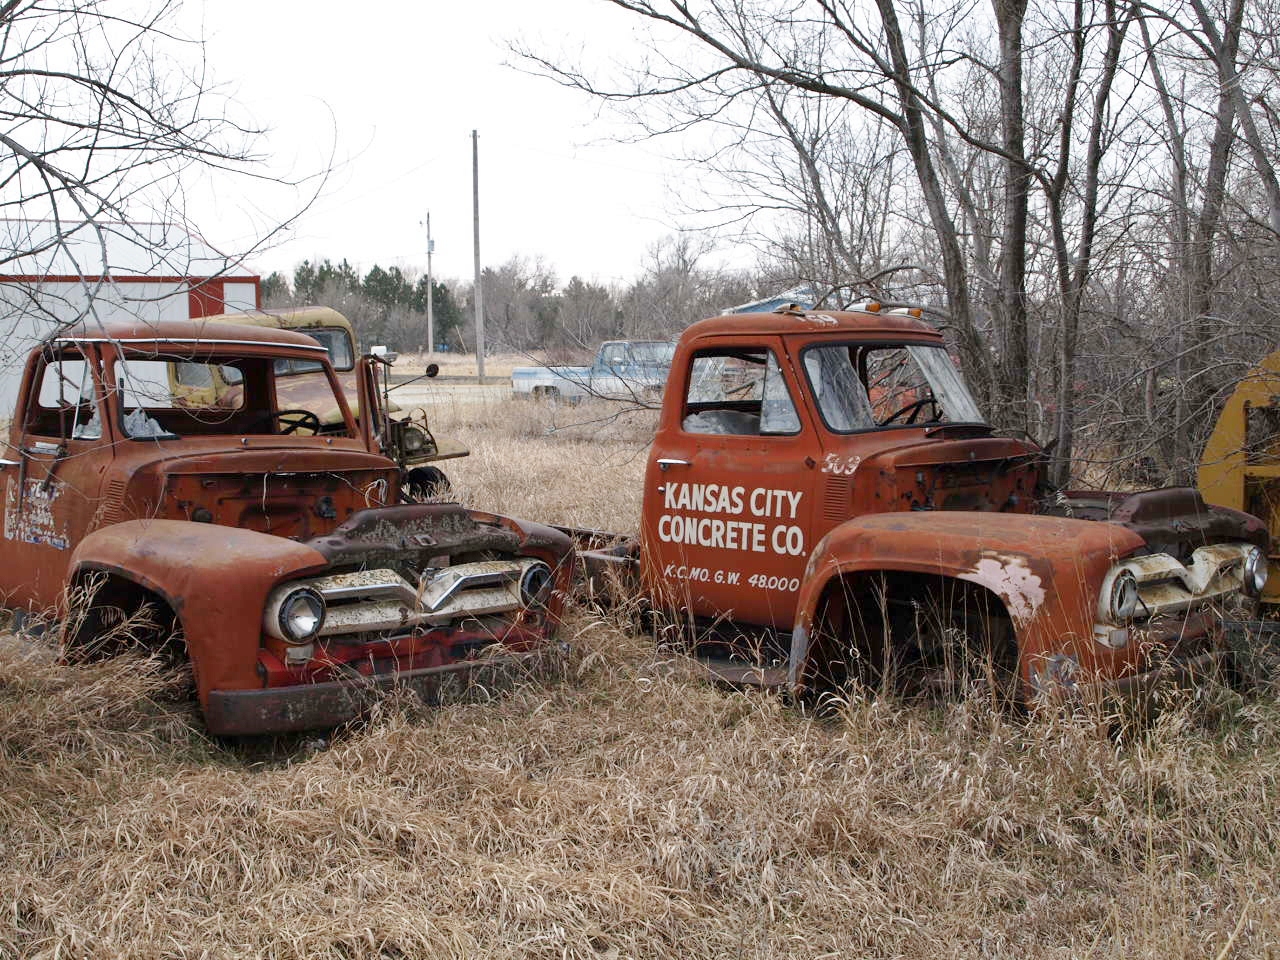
[{"x": 148, "y": 271}]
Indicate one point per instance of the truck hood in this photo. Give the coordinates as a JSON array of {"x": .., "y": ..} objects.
[
  {"x": 301, "y": 489},
  {"x": 929, "y": 472},
  {"x": 262, "y": 454}
]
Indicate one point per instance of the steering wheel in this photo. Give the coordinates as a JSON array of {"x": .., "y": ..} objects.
[
  {"x": 914, "y": 409},
  {"x": 302, "y": 419}
]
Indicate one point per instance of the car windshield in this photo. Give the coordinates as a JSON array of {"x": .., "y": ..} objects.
[
  {"x": 866, "y": 386},
  {"x": 164, "y": 396}
]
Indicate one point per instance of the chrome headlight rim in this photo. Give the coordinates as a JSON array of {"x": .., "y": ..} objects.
[
  {"x": 1255, "y": 572},
  {"x": 1123, "y": 599},
  {"x": 536, "y": 582},
  {"x": 288, "y": 611},
  {"x": 412, "y": 439}
]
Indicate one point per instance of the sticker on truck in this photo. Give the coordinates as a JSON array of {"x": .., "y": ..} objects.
[{"x": 32, "y": 521}]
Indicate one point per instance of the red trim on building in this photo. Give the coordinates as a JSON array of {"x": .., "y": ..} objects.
[
  {"x": 206, "y": 296},
  {"x": 71, "y": 278},
  {"x": 205, "y": 299}
]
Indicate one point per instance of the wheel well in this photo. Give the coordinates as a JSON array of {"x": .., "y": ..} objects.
[
  {"x": 902, "y": 630},
  {"x": 424, "y": 483},
  {"x": 108, "y": 614}
]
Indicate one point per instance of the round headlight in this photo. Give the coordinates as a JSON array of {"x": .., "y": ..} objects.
[
  {"x": 413, "y": 440},
  {"x": 535, "y": 584},
  {"x": 1124, "y": 596},
  {"x": 1256, "y": 571},
  {"x": 301, "y": 615}
]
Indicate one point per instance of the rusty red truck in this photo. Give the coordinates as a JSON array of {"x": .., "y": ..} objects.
[
  {"x": 267, "y": 539},
  {"x": 823, "y": 489}
]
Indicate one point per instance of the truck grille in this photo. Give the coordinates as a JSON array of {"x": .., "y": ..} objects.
[{"x": 383, "y": 602}]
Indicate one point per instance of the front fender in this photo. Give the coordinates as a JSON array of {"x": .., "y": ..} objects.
[
  {"x": 215, "y": 578},
  {"x": 1047, "y": 571}
]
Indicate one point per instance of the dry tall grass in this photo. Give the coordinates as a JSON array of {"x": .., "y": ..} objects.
[
  {"x": 625, "y": 809},
  {"x": 574, "y": 464},
  {"x": 454, "y": 364}
]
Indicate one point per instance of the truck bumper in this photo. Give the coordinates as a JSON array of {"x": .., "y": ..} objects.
[
  {"x": 1140, "y": 688},
  {"x": 312, "y": 706}
]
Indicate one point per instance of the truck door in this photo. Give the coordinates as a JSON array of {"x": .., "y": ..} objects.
[
  {"x": 51, "y": 473},
  {"x": 730, "y": 487}
]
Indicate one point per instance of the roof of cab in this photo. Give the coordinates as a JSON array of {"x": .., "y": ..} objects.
[
  {"x": 186, "y": 331},
  {"x": 795, "y": 319},
  {"x": 291, "y": 318}
]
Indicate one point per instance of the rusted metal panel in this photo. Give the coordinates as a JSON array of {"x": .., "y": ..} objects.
[
  {"x": 834, "y": 323},
  {"x": 1170, "y": 519},
  {"x": 216, "y": 579},
  {"x": 730, "y": 520},
  {"x": 1048, "y": 572}
]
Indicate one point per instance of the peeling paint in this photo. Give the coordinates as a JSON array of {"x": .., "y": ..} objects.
[
  {"x": 799, "y": 653},
  {"x": 1012, "y": 580},
  {"x": 841, "y": 466},
  {"x": 31, "y": 517}
]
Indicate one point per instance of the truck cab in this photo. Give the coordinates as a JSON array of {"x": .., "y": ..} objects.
[
  {"x": 403, "y": 435},
  {"x": 622, "y": 370},
  {"x": 827, "y": 478},
  {"x": 638, "y": 361}
]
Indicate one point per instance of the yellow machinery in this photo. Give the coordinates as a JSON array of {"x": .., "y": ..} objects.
[{"x": 1240, "y": 467}]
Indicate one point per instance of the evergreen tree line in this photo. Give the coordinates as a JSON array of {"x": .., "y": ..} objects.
[
  {"x": 386, "y": 305},
  {"x": 526, "y": 307}
]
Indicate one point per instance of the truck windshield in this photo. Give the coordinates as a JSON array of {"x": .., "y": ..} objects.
[
  {"x": 162, "y": 397},
  {"x": 866, "y": 386},
  {"x": 334, "y": 339},
  {"x": 655, "y": 352}
]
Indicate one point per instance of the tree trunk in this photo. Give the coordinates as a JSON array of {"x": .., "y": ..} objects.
[
  {"x": 1011, "y": 308},
  {"x": 914, "y": 129}
]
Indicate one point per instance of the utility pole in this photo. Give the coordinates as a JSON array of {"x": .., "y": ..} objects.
[
  {"x": 479, "y": 292},
  {"x": 431, "y": 320}
]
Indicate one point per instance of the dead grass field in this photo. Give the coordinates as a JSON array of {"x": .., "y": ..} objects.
[
  {"x": 497, "y": 365},
  {"x": 579, "y": 465},
  {"x": 618, "y": 807}
]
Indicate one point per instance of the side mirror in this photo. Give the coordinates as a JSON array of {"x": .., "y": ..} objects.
[{"x": 432, "y": 369}]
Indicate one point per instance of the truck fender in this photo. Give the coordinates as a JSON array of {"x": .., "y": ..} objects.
[
  {"x": 1046, "y": 571},
  {"x": 214, "y": 578}
]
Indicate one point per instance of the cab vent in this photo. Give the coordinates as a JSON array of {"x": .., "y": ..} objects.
[
  {"x": 837, "y": 498},
  {"x": 111, "y": 510}
]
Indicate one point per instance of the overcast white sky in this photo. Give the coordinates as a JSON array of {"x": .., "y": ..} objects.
[{"x": 396, "y": 89}]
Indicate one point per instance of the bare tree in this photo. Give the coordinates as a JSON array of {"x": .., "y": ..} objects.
[
  {"x": 1034, "y": 132},
  {"x": 109, "y": 121}
]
